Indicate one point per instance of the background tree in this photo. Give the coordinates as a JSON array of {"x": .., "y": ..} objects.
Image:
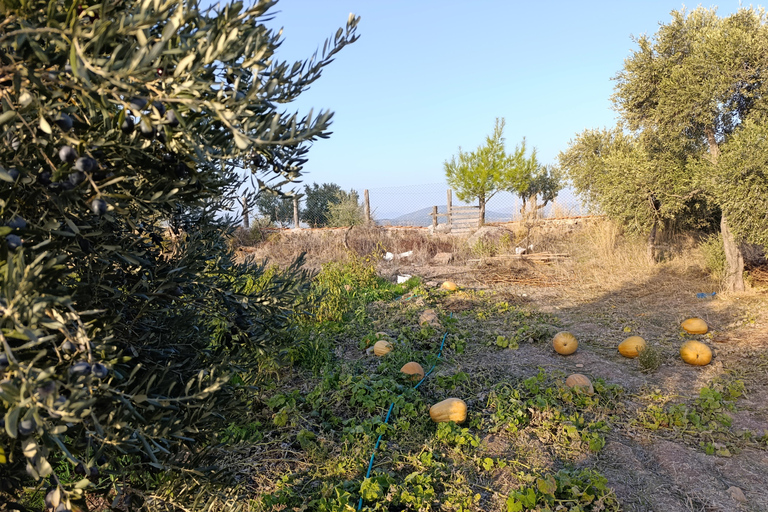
[
  {"x": 346, "y": 210},
  {"x": 317, "y": 202},
  {"x": 622, "y": 176},
  {"x": 275, "y": 207},
  {"x": 536, "y": 184},
  {"x": 118, "y": 338},
  {"x": 481, "y": 174},
  {"x": 694, "y": 84}
]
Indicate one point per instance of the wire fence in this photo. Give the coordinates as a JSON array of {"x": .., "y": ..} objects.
[
  {"x": 405, "y": 205},
  {"x": 412, "y": 205}
]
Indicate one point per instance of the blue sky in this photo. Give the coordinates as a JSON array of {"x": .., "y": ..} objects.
[{"x": 428, "y": 76}]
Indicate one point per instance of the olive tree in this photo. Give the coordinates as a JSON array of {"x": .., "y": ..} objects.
[
  {"x": 696, "y": 83},
  {"x": 122, "y": 317}
]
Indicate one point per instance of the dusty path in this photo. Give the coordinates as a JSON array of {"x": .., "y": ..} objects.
[{"x": 660, "y": 470}]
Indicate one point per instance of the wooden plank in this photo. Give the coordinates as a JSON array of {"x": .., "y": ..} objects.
[{"x": 465, "y": 209}]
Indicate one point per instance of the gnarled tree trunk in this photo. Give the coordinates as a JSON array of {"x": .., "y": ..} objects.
[
  {"x": 734, "y": 260},
  {"x": 651, "y": 246}
]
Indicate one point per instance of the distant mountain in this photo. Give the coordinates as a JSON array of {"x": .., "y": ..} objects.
[{"x": 423, "y": 218}]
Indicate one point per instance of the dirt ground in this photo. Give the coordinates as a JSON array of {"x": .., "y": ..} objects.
[{"x": 649, "y": 471}]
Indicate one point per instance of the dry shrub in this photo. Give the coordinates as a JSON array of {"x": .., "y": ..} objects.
[{"x": 338, "y": 244}]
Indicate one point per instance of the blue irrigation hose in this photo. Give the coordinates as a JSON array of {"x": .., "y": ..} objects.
[{"x": 389, "y": 413}]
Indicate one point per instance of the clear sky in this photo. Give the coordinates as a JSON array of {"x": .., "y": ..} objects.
[{"x": 428, "y": 76}]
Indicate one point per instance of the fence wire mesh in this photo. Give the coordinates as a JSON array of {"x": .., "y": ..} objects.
[{"x": 405, "y": 205}]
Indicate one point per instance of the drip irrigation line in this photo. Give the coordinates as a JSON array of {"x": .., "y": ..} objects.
[{"x": 392, "y": 406}]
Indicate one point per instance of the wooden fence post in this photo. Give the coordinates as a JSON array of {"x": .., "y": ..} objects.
[
  {"x": 295, "y": 212},
  {"x": 449, "y": 207},
  {"x": 367, "y": 207},
  {"x": 434, "y": 218},
  {"x": 246, "y": 220}
]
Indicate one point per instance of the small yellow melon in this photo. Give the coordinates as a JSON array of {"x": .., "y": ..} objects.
[
  {"x": 632, "y": 346},
  {"x": 382, "y": 348},
  {"x": 695, "y": 326},
  {"x": 413, "y": 369},
  {"x": 695, "y": 353},
  {"x": 450, "y": 409},
  {"x": 450, "y": 286},
  {"x": 579, "y": 381},
  {"x": 565, "y": 343}
]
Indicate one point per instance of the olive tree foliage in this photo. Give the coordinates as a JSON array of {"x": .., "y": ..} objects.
[
  {"x": 482, "y": 173},
  {"x": 635, "y": 181},
  {"x": 318, "y": 199},
  {"x": 696, "y": 83},
  {"x": 119, "y": 338},
  {"x": 346, "y": 210}
]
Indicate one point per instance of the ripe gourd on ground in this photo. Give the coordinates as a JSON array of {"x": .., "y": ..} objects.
[
  {"x": 695, "y": 353},
  {"x": 450, "y": 286},
  {"x": 565, "y": 343},
  {"x": 695, "y": 326},
  {"x": 581, "y": 382},
  {"x": 413, "y": 369},
  {"x": 632, "y": 346},
  {"x": 450, "y": 409},
  {"x": 382, "y": 348}
]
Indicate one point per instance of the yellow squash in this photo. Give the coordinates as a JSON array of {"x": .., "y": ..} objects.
[
  {"x": 382, "y": 348},
  {"x": 579, "y": 381},
  {"x": 450, "y": 409},
  {"x": 565, "y": 343},
  {"x": 695, "y": 353},
  {"x": 413, "y": 369},
  {"x": 695, "y": 326},
  {"x": 632, "y": 346}
]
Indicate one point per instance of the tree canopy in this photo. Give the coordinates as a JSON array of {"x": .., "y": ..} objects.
[
  {"x": 123, "y": 317},
  {"x": 683, "y": 96}
]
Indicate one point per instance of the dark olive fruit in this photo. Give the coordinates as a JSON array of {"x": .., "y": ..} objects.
[
  {"x": 14, "y": 173},
  {"x": 44, "y": 178},
  {"x": 178, "y": 291},
  {"x": 128, "y": 125},
  {"x": 159, "y": 107},
  {"x": 181, "y": 170},
  {"x": 80, "y": 368},
  {"x": 68, "y": 347},
  {"x": 173, "y": 121},
  {"x": 67, "y": 154},
  {"x": 99, "y": 206},
  {"x": 93, "y": 472},
  {"x": 85, "y": 164},
  {"x": 99, "y": 370},
  {"x": 101, "y": 460},
  {"x": 64, "y": 185},
  {"x": 84, "y": 245},
  {"x": 138, "y": 102},
  {"x": 46, "y": 390},
  {"x": 64, "y": 122},
  {"x": 17, "y": 222},
  {"x": 76, "y": 178},
  {"x": 80, "y": 469},
  {"x": 3, "y": 361},
  {"x": 27, "y": 427},
  {"x": 13, "y": 242}
]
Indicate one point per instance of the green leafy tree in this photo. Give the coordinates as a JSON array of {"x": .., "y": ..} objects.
[
  {"x": 346, "y": 210},
  {"x": 535, "y": 184},
  {"x": 481, "y": 174},
  {"x": 640, "y": 187},
  {"x": 275, "y": 207},
  {"x": 696, "y": 83},
  {"x": 317, "y": 202},
  {"x": 123, "y": 317}
]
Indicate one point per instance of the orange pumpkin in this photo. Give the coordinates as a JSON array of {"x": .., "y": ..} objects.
[
  {"x": 450, "y": 409},
  {"x": 695, "y": 353},
  {"x": 581, "y": 382},
  {"x": 382, "y": 348},
  {"x": 450, "y": 286},
  {"x": 413, "y": 369},
  {"x": 695, "y": 326},
  {"x": 565, "y": 343},
  {"x": 632, "y": 346}
]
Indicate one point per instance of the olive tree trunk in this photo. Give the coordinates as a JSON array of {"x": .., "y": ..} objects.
[
  {"x": 651, "y": 245},
  {"x": 734, "y": 260},
  {"x": 481, "y": 217}
]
